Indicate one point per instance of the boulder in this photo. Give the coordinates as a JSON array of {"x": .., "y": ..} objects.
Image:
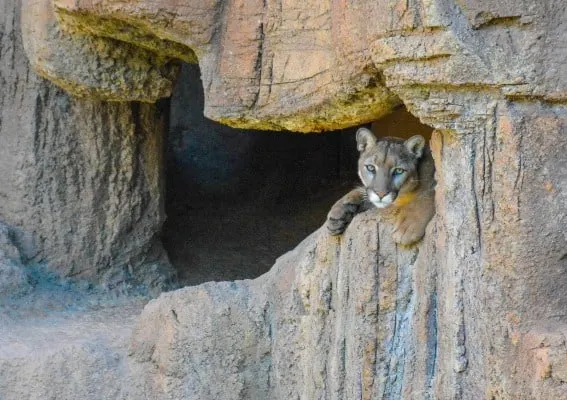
[{"x": 93, "y": 67}]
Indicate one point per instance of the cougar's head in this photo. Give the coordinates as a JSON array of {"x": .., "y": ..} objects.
[{"x": 388, "y": 167}]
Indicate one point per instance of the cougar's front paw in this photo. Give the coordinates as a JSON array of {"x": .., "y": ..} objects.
[
  {"x": 339, "y": 217},
  {"x": 407, "y": 232}
]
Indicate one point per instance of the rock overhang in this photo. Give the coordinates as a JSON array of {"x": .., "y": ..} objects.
[
  {"x": 306, "y": 67},
  {"x": 259, "y": 70}
]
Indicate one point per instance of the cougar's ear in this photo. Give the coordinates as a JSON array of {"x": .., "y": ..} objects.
[
  {"x": 364, "y": 139},
  {"x": 415, "y": 145}
]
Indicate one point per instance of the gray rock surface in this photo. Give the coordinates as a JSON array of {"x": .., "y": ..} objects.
[
  {"x": 331, "y": 319},
  {"x": 93, "y": 67},
  {"x": 14, "y": 280},
  {"x": 480, "y": 313},
  {"x": 80, "y": 181},
  {"x": 320, "y": 66},
  {"x": 65, "y": 354},
  {"x": 306, "y": 329}
]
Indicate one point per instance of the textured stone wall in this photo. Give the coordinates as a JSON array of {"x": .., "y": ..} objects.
[
  {"x": 479, "y": 312},
  {"x": 325, "y": 65},
  {"x": 485, "y": 317},
  {"x": 264, "y": 65},
  {"x": 500, "y": 246},
  {"x": 81, "y": 181},
  {"x": 476, "y": 311},
  {"x": 330, "y": 320}
]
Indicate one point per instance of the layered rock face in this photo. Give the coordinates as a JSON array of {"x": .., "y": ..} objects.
[
  {"x": 475, "y": 312},
  {"x": 479, "y": 313},
  {"x": 315, "y": 65},
  {"x": 331, "y": 319},
  {"x": 81, "y": 182},
  {"x": 264, "y": 65}
]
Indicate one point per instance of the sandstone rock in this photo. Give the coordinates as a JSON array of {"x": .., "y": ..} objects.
[
  {"x": 93, "y": 67},
  {"x": 480, "y": 313},
  {"x": 80, "y": 181},
  {"x": 315, "y": 66},
  {"x": 264, "y": 65},
  {"x": 330, "y": 320}
]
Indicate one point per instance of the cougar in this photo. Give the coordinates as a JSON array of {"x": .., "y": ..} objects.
[{"x": 398, "y": 179}]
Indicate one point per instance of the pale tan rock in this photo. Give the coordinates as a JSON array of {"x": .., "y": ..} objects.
[
  {"x": 320, "y": 324},
  {"x": 264, "y": 66},
  {"x": 319, "y": 66}
]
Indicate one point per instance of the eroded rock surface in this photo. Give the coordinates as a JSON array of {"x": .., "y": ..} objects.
[
  {"x": 479, "y": 313},
  {"x": 80, "y": 181},
  {"x": 327, "y": 65},
  {"x": 93, "y": 67},
  {"x": 14, "y": 280},
  {"x": 314, "y": 326},
  {"x": 500, "y": 246},
  {"x": 264, "y": 65},
  {"x": 330, "y": 320}
]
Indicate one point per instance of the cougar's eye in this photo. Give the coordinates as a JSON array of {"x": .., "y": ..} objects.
[
  {"x": 370, "y": 168},
  {"x": 398, "y": 171}
]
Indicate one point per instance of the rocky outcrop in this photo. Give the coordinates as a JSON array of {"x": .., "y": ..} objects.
[
  {"x": 307, "y": 329},
  {"x": 319, "y": 66},
  {"x": 478, "y": 314},
  {"x": 81, "y": 181},
  {"x": 264, "y": 65},
  {"x": 500, "y": 249},
  {"x": 14, "y": 280},
  {"x": 93, "y": 67},
  {"x": 331, "y": 319}
]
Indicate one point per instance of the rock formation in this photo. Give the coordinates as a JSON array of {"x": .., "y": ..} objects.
[
  {"x": 80, "y": 180},
  {"x": 477, "y": 311},
  {"x": 332, "y": 319},
  {"x": 478, "y": 314}
]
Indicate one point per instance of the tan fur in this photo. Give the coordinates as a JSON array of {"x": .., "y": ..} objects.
[{"x": 398, "y": 177}]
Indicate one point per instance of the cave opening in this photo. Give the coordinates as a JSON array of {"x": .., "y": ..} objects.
[{"x": 238, "y": 199}]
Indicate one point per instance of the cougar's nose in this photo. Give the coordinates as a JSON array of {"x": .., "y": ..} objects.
[{"x": 381, "y": 194}]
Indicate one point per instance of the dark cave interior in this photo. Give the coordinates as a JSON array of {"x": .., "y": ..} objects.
[{"x": 238, "y": 199}]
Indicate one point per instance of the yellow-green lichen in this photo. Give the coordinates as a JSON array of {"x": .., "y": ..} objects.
[
  {"x": 125, "y": 31},
  {"x": 100, "y": 68},
  {"x": 345, "y": 110}
]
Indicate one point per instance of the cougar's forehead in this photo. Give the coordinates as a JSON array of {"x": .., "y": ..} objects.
[{"x": 388, "y": 154}]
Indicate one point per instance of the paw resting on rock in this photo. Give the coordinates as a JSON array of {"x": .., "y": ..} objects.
[{"x": 339, "y": 217}]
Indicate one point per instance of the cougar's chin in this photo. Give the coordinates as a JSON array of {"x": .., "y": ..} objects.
[{"x": 383, "y": 202}]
